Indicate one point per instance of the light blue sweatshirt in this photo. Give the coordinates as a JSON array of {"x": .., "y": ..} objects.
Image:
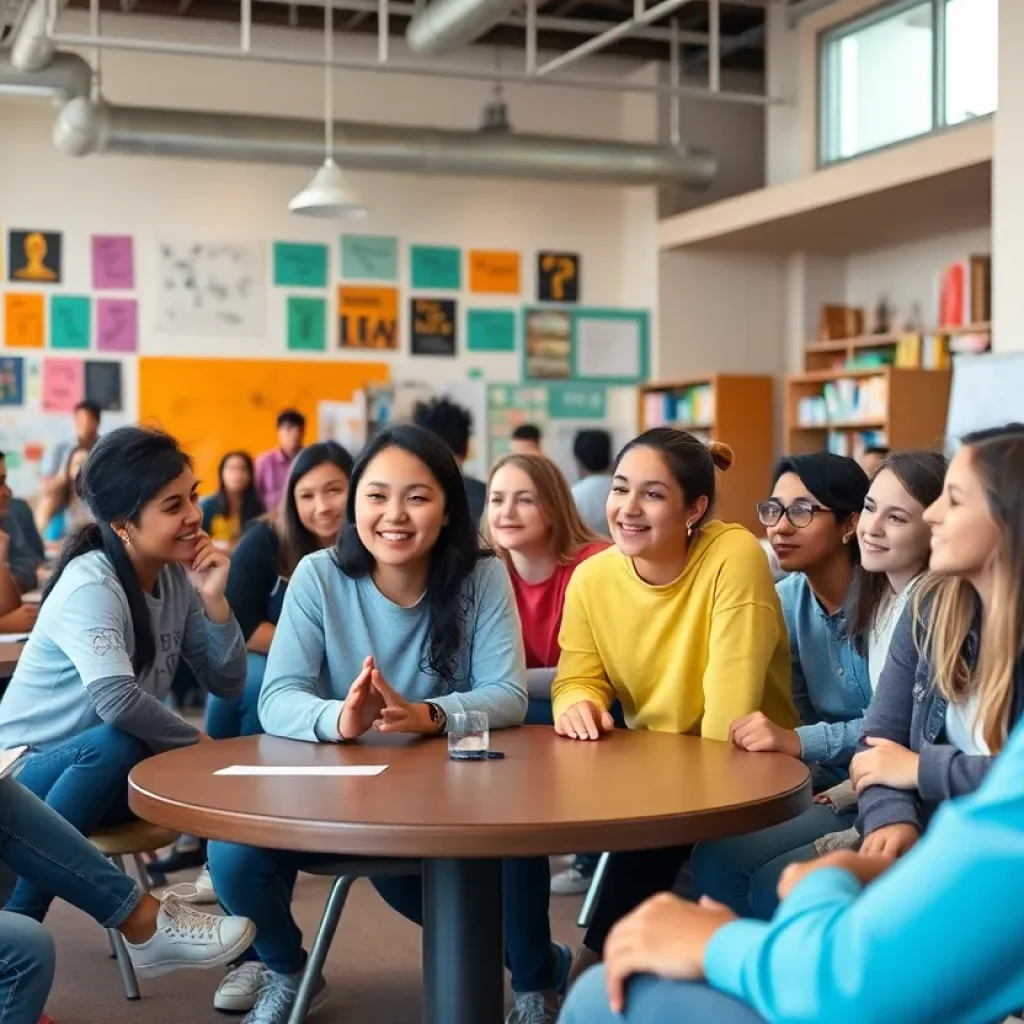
[
  {"x": 939, "y": 937},
  {"x": 331, "y": 622}
]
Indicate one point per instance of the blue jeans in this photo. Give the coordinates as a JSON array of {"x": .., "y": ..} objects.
[
  {"x": 227, "y": 719},
  {"x": 259, "y": 884},
  {"x": 85, "y": 780},
  {"x": 651, "y": 1000},
  {"x": 743, "y": 872},
  {"x": 27, "y": 963}
]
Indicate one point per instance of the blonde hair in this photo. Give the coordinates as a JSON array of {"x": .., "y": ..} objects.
[{"x": 554, "y": 499}]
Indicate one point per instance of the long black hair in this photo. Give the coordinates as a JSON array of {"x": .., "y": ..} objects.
[
  {"x": 922, "y": 474},
  {"x": 295, "y": 540},
  {"x": 452, "y": 559},
  {"x": 125, "y": 471},
  {"x": 252, "y": 504}
]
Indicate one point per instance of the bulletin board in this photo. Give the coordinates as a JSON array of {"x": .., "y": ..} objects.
[{"x": 215, "y": 405}]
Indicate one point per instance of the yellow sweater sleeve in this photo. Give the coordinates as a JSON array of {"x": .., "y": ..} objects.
[
  {"x": 744, "y": 634},
  {"x": 581, "y": 674}
]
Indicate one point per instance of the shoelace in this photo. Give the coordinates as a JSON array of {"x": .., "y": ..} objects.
[
  {"x": 240, "y": 973},
  {"x": 274, "y": 1003},
  {"x": 531, "y": 1009},
  {"x": 188, "y": 922}
]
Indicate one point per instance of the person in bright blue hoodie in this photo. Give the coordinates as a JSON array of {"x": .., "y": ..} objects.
[{"x": 856, "y": 938}]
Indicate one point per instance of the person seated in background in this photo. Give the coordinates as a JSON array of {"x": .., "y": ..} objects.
[
  {"x": 19, "y": 564},
  {"x": 131, "y": 594},
  {"x": 271, "y": 471},
  {"x": 526, "y": 440},
  {"x": 859, "y": 937},
  {"x": 872, "y": 459},
  {"x": 59, "y": 513},
  {"x": 592, "y": 450},
  {"x": 454, "y": 425},
  {"x": 87, "y": 433},
  {"x": 407, "y": 621},
  {"x": 679, "y": 621},
  {"x": 237, "y": 502}
]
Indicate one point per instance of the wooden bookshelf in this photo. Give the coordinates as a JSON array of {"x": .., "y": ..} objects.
[
  {"x": 912, "y": 415},
  {"x": 823, "y": 355},
  {"x": 740, "y": 413}
]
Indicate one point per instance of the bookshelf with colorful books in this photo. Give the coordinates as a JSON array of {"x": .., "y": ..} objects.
[{"x": 733, "y": 408}]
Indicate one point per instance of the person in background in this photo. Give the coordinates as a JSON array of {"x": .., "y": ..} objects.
[
  {"x": 526, "y": 440},
  {"x": 811, "y": 519},
  {"x": 131, "y": 595},
  {"x": 454, "y": 425},
  {"x": 59, "y": 514},
  {"x": 272, "y": 467},
  {"x": 679, "y": 621},
  {"x": 20, "y": 560},
  {"x": 237, "y": 502},
  {"x": 859, "y": 937},
  {"x": 87, "y": 433},
  {"x": 592, "y": 450},
  {"x": 872, "y": 459}
]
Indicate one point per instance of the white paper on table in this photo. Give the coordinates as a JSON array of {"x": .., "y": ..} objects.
[{"x": 327, "y": 769}]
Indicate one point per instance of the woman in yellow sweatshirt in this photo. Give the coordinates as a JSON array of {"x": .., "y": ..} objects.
[{"x": 679, "y": 621}]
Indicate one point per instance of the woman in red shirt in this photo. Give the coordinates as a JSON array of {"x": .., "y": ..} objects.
[{"x": 533, "y": 525}]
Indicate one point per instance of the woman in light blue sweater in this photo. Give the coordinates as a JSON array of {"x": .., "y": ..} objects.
[{"x": 405, "y": 622}]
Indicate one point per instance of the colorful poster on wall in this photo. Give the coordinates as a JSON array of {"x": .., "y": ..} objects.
[
  {"x": 367, "y": 317},
  {"x": 493, "y": 273},
  {"x": 491, "y": 330},
  {"x": 433, "y": 327},
  {"x": 34, "y": 257},
  {"x": 12, "y": 380},
  {"x": 369, "y": 257},
  {"x": 548, "y": 353},
  {"x": 300, "y": 265},
  {"x": 70, "y": 317},
  {"x": 558, "y": 277},
  {"x": 510, "y": 406},
  {"x": 577, "y": 402},
  {"x": 63, "y": 384},
  {"x": 117, "y": 325},
  {"x": 24, "y": 320},
  {"x": 307, "y": 324},
  {"x": 103, "y": 384},
  {"x": 435, "y": 266},
  {"x": 113, "y": 262}
]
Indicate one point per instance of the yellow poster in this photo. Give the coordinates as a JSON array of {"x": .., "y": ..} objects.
[
  {"x": 367, "y": 317},
  {"x": 493, "y": 273},
  {"x": 23, "y": 317}
]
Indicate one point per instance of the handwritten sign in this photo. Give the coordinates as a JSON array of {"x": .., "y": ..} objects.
[
  {"x": 493, "y": 273},
  {"x": 69, "y": 321},
  {"x": 117, "y": 325},
  {"x": 113, "y": 262},
  {"x": 367, "y": 317},
  {"x": 63, "y": 384},
  {"x": 433, "y": 327},
  {"x": 369, "y": 257},
  {"x": 300, "y": 265},
  {"x": 307, "y": 324},
  {"x": 436, "y": 266},
  {"x": 558, "y": 276},
  {"x": 12, "y": 380},
  {"x": 24, "y": 319}
]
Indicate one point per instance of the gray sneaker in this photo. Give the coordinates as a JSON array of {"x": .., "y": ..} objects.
[
  {"x": 534, "y": 1008},
  {"x": 274, "y": 1004}
]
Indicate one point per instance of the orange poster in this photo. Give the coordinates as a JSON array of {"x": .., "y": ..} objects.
[
  {"x": 367, "y": 317},
  {"x": 493, "y": 273},
  {"x": 23, "y": 316}
]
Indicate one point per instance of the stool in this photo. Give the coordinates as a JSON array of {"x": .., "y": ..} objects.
[
  {"x": 130, "y": 840},
  {"x": 344, "y": 872}
]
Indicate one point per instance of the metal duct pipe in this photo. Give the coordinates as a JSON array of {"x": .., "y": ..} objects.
[
  {"x": 83, "y": 127},
  {"x": 66, "y": 76},
  {"x": 32, "y": 49},
  {"x": 445, "y": 25}
]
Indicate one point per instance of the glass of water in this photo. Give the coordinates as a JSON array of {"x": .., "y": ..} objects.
[{"x": 469, "y": 735}]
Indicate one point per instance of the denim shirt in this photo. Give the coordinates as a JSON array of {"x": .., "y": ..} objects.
[{"x": 831, "y": 686}]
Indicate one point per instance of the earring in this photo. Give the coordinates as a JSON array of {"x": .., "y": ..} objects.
[
  {"x": 689, "y": 529},
  {"x": 444, "y": 522},
  {"x": 846, "y": 539}
]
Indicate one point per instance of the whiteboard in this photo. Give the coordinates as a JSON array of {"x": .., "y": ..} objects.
[
  {"x": 608, "y": 348},
  {"x": 988, "y": 391}
]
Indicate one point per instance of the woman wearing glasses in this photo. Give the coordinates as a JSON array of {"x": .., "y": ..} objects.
[{"x": 811, "y": 520}]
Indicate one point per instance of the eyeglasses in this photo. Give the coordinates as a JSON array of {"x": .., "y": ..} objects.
[{"x": 799, "y": 514}]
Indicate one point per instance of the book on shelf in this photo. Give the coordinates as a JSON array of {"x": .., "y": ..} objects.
[
  {"x": 690, "y": 408},
  {"x": 847, "y": 401},
  {"x": 854, "y": 444},
  {"x": 965, "y": 292}
]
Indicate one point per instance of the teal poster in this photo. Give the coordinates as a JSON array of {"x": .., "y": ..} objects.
[
  {"x": 436, "y": 266},
  {"x": 491, "y": 330},
  {"x": 69, "y": 321},
  {"x": 300, "y": 265},
  {"x": 369, "y": 258},
  {"x": 307, "y": 324}
]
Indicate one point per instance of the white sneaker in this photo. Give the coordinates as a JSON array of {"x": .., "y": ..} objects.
[
  {"x": 200, "y": 891},
  {"x": 274, "y": 1005},
  {"x": 186, "y": 937},
  {"x": 570, "y": 882},
  {"x": 241, "y": 986}
]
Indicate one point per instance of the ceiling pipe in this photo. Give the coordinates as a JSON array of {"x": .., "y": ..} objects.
[
  {"x": 31, "y": 49},
  {"x": 83, "y": 127},
  {"x": 66, "y": 77},
  {"x": 446, "y": 25}
]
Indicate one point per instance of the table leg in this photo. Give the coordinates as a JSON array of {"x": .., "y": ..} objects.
[{"x": 463, "y": 942}]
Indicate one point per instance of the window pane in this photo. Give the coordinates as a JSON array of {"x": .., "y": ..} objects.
[
  {"x": 972, "y": 52},
  {"x": 878, "y": 81}
]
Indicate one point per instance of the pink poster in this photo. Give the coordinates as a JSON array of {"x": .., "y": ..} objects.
[
  {"x": 63, "y": 384},
  {"x": 117, "y": 325},
  {"x": 113, "y": 262}
]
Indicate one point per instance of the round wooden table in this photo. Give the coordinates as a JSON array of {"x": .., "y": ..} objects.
[{"x": 630, "y": 791}]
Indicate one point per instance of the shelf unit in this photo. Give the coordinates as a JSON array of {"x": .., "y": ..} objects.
[
  {"x": 822, "y": 355},
  {"x": 740, "y": 413},
  {"x": 914, "y": 416}
]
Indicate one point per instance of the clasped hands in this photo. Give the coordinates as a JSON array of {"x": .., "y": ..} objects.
[{"x": 373, "y": 704}]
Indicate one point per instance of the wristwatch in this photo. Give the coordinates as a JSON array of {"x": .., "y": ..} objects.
[{"x": 437, "y": 716}]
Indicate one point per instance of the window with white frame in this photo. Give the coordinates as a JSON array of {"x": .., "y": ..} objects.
[{"x": 905, "y": 70}]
